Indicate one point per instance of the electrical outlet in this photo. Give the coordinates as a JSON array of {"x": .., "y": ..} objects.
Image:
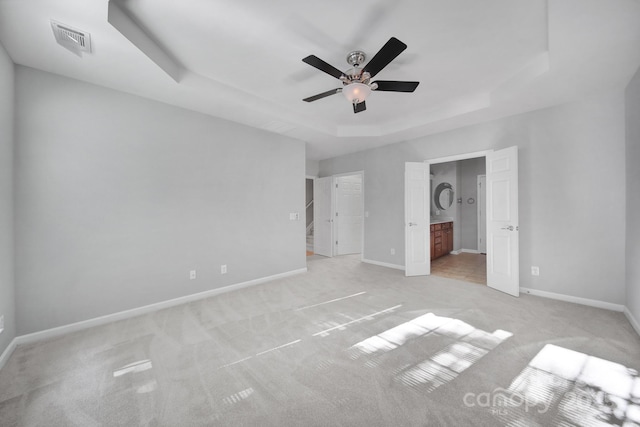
[
  {"x": 535, "y": 271},
  {"x": 393, "y": 251},
  {"x": 192, "y": 275},
  {"x": 223, "y": 269},
  {"x": 1, "y": 323}
]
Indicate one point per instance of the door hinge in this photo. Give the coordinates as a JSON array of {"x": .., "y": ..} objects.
[
  {"x": 336, "y": 185},
  {"x": 336, "y": 243},
  {"x": 336, "y": 213}
]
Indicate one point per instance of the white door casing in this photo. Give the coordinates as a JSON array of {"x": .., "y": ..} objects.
[
  {"x": 417, "y": 219},
  {"x": 323, "y": 212},
  {"x": 349, "y": 210},
  {"x": 502, "y": 221}
]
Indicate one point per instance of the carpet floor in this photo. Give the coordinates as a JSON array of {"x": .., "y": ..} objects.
[{"x": 346, "y": 344}]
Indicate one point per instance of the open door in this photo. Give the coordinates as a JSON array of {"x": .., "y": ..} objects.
[
  {"x": 503, "y": 266},
  {"x": 323, "y": 216},
  {"x": 417, "y": 219}
]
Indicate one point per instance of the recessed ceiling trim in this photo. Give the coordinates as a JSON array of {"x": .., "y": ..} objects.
[{"x": 128, "y": 28}]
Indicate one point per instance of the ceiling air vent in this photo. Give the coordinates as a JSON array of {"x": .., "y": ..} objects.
[{"x": 71, "y": 38}]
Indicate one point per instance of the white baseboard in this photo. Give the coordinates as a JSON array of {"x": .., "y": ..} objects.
[
  {"x": 78, "y": 326},
  {"x": 634, "y": 322},
  {"x": 383, "y": 264},
  {"x": 6, "y": 354},
  {"x": 576, "y": 300}
]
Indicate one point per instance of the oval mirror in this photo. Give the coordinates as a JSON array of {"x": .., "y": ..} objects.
[{"x": 443, "y": 196}]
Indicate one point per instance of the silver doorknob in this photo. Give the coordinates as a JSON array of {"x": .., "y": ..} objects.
[
  {"x": 510, "y": 228},
  {"x": 411, "y": 224}
]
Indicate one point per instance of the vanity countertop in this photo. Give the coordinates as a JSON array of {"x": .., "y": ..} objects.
[{"x": 441, "y": 220}]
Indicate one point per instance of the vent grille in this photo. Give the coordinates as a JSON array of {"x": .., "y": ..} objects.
[{"x": 75, "y": 40}]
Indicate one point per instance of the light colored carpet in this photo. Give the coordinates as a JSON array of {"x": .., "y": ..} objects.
[{"x": 347, "y": 344}]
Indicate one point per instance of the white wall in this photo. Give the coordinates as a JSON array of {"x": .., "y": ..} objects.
[
  {"x": 633, "y": 197},
  {"x": 7, "y": 299},
  {"x": 571, "y": 160},
  {"x": 118, "y": 197}
]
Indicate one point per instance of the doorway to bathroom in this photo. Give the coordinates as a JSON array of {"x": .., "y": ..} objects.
[
  {"x": 456, "y": 233},
  {"x": 501, "y": 217}
]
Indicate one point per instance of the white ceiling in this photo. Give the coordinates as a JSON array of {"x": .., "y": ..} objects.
[{"x": 241, "y": 59}]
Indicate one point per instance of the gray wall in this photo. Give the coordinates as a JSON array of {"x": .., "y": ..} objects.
[
  {"x": 633, "y": 196},
  {"x": 468, "y": 171},
  {"x": 118, "y": 197},
  {"x": 7, "y": 299},
  {"x": 312, "y": 167},
  {"x": 569, "y": 156}
]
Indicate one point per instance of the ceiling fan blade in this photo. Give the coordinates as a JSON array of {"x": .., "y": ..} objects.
[
  {"x": 359, "y": 107},
  {"x": 388, "y": 53},
  {"x": 323, "y": 95},
  {"x": 395, "y": 86},
  {"x": 318, "y": 63}
]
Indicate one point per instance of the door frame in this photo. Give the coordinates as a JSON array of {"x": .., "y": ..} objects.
[
  {"x": 454, "y": 158},
  {"x": 333, "y": 213},
  {"x": 486, "y": 154}
]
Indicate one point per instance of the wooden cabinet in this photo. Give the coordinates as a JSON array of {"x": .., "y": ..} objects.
[{"x": 441, "y": 239}]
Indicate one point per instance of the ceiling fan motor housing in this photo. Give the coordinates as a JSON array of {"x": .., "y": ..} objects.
[
  {"x": 356, "y": 75},
  {"x": 356, "y": 58}
]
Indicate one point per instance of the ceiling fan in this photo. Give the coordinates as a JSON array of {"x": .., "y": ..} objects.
[{"x": 357, "y": 84}]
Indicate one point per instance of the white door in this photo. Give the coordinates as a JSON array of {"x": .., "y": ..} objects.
[
  {"x": 417, "y": 219},
  {"x": 482, "y": 214},
  {"x": 348, "y": 218},
  {"x": 502, "y": 221},
  {"x": 323, "y": 216}
]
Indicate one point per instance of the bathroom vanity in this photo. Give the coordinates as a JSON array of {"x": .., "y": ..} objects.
[{"x": 441, "y": 238}]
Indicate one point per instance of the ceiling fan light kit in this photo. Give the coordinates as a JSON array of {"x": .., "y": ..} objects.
[
  {"x": 356, "y": 92},
  {"x": 357, "y": 85}
]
